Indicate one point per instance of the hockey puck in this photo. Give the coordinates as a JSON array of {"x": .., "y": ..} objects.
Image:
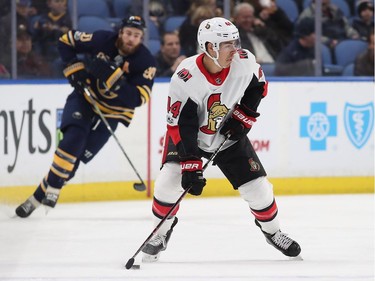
[{"x": 136, "y": 266}]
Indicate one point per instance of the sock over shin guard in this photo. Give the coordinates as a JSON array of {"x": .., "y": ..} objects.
[
  {"x": 160, "y": 209},
  {"x": 60, "y": 171},
  {"x": 259, "y": 195}
]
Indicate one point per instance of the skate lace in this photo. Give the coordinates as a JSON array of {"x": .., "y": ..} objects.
[
  {"x": 282, "y": 240},
  {"x": 52, "y": 196},
  {"x": 157, "y": 240}
]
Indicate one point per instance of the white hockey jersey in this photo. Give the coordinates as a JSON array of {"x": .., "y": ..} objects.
[{"x": 200, "y": 102}]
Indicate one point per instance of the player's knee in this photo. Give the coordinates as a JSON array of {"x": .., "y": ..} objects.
[
  {"x": 168, "y": 183},
  {"x": 258, "y": 193},
  {"x": 74, "y": 140}
]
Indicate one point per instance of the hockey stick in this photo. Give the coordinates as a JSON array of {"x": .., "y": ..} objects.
[
  {"x": 137, "y": 186},
  {"x": 130, "y": 262}
]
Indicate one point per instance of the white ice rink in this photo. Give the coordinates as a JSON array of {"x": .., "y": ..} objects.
[{"x": 215, "y": 239}]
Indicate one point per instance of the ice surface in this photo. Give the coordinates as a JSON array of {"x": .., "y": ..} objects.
[{"x": 216, "y": 239}]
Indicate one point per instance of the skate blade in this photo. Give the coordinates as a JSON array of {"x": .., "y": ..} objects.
[
  {"x": 297, "y": 258},
  {"x": 47, "y": 209},
  {"x": 150, "y": 258}
]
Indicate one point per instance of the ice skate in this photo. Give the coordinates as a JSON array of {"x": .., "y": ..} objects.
[
  {"x": 282, "y": 242},
  {"x": 51, "y": 197},
  {"x": 158, "y": 243},
  {"x": 25, "y": 209}
]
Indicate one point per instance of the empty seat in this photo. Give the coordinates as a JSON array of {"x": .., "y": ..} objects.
[
  {"x": 348, "y": 70},
  {"x": 347, "y": 50},
  {"x": 329, "y": 69},
  {"x": 153, "y": 31},
  {"x": 268, "y": 69},
  {"x": 97, "y": 8},
  {"x": 173, "y": 23},
  {"x": 344, "y": 7},
  {"x": 153, "y": 45},
  {"x": 326, "y": 54},
  {"x": 290, "y": 8},
  {"x": 121, "y": 8},
  {"x": 90, "y": 24},
  {"x": 114, "y": 22}
]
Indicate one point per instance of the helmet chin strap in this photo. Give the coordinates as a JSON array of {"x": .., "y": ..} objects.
[{"x": 215, "y": 59}]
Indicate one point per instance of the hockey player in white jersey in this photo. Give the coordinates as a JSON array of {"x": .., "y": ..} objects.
[{"x": 211, "y": 95}]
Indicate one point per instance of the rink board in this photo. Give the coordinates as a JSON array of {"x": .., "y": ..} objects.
[{"x": 313, "y": 136}]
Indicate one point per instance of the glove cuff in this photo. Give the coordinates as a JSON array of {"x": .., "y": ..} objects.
[
  {"x": 245, "y": 115},
  {"x": 191, "y": 166},
  {"x": 73, "y": 68}
]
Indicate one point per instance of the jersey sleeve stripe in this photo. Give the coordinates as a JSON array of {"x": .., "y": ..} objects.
[{"x": 145, "y": 92}]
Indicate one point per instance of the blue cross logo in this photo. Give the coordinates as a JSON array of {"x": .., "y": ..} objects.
[{"x": 318, "y": 126}]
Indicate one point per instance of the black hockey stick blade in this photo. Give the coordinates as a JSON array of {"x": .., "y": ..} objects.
[
  {"x": 130, "y": 263},
  {"x": 139, "y": 186}
]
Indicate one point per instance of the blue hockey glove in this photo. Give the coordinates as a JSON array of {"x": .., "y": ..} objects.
[
  {"x": 77, "y": 75},
  {"x": 107, "y": 72}
]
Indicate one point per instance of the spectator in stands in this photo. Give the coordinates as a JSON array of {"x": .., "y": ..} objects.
[
  {"x": 4, "y": 7},
  {"x": 298, "y": 58},
  {"x": 178, "y": 7},
  {"x": 335, "y": 26},
  {"x": 158, "y": 14},
  {"x": 364, "y": 62},
  {"x": 29, "y": 64},
  {"x": 255, "y": 36},
  {"x": 4, "y": 73},
  {"x": 212, "y": 4},
  {"x": 157, "y": 11},
  {"x": 276, "y": 20},
  {"x": 24, "y": 12},
  {"x": 39, "y": 7},
  {"x": 49, "y": 27},
  {"x": 189, "y": 29},
  {"x": 168, "y": 58},
  {"x": 364, "y": 23},
  {"x": 258, "y": 5},
  {"x": 23, "y": 23},
  {"x": 300, "y": 4}
]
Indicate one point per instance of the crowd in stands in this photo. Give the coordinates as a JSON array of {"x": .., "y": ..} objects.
[{"x": 280, "y": 33}]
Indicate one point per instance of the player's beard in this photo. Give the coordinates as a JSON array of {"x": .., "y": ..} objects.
[{"x": 126, "y": 49}]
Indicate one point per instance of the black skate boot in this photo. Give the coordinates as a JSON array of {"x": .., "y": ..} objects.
[
  {"x": 158, "y": 243},
  {"x": 51, "y": 197},
  {"x": 25, "y": 209},
  {"x": 282, "y": 242}
]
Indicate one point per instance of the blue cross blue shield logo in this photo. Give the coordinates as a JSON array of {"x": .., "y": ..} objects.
[
  {"x": 359, "y": 121},
  {"x": 318, "y": 126}
]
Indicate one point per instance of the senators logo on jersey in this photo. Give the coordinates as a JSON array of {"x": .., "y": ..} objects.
[
  {"x": 184, "y": 74},
  {"x": 255, "y": 167},
  {"x": 242, "y": 54},
  {"x": 216, "y": 114}
]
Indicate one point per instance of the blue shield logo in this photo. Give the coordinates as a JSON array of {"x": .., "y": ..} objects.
[{"x": 359, "y": 121}]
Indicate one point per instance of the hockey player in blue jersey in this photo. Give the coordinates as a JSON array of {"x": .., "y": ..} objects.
[{"x": 119, "y": 73}]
